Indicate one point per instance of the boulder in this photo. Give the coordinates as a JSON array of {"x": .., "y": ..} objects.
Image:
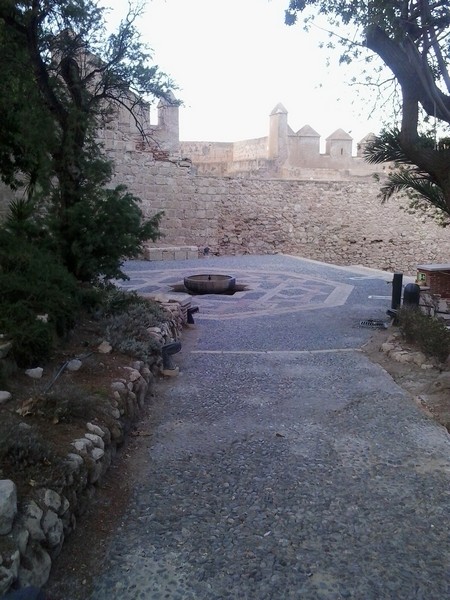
[
  {"x": 105, "y": 348},
  {"x": 8, "y": 505},
  {"x": 31, "y": 518},
  {"x": 35, "y": 569},
  {"x": 53, "y": 529},
  {"x": 5, "y": 396},
  {"x": 35, "y": 373},
  {"x": 74, "y": 365}
]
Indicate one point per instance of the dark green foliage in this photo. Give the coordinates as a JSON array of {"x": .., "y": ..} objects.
[
  {"x": 422, "y": 189},
  {"x": 103, "y": 229},
  {"x": 430, "y": 334},
  {"x": 33, "y": 283},
  {"x": 26, "y": 130},
  {"x": 116, "y": 301},
  {"x": 411, "y": 39},
  {"x": 56, "y": 55},
  {"x": 33, "y": 341}
]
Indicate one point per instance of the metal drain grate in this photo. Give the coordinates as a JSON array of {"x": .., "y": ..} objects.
[{"x": 373, "y": 324}]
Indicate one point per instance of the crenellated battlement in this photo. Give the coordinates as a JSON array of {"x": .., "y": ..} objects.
[{"x": 283, "y": 154}]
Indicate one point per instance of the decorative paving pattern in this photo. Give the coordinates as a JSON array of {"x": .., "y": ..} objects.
[{"x": 267, "y": 292}]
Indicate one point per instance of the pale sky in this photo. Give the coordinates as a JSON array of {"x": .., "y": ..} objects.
[{"x": 234, "y": 60}]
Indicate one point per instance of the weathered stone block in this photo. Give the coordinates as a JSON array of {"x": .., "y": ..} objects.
[
  {"x": 35, "y": 569},
  {"x": 8, "y": 505}
]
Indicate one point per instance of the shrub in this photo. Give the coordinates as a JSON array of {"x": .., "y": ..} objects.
[
  {"x": 34, "y": 283},
  {"x": 430, "y": 334},
  {"x": 104, "y": 227},
  {"x": 127, "y": 330},
  {"x": 27, "y": 452},
  {"x": 67, "y": 402}
]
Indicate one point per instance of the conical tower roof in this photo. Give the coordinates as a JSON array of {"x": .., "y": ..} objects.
[
  {"x": 339, "y": 134},
  {"x": 307, "y": 131},
  {"x": 279, "y": 110}
]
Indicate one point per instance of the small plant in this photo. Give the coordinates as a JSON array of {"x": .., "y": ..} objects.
[
  {"x": 127, "y": 331},
  {"x": 68, "y": 402},
  {"x": 428, "y": 333},
  {"x": 26, "y": 451}
]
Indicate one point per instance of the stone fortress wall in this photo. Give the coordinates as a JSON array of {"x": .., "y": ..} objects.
[
  {"x": 282, "y": 154},
  {"x": 242, "y": 199}
]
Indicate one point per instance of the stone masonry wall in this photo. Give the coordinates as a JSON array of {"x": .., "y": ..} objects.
[
  {"x": 250, "y": 149},
  {"x": 340, "y": 222}
]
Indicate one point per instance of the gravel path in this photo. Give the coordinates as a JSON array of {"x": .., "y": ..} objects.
[{"x": 284, "y": 464}]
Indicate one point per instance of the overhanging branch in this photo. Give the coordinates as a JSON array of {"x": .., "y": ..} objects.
[{"x": 411, "y": 71}]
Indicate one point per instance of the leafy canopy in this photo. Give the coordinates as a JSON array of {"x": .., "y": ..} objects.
[
  {"x": 412, "y": 39},
  {"x": 75, "y": 78}
]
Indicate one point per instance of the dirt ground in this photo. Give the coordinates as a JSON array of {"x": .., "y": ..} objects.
[
  {"x": 412, "y": 378},
  {"x": 71, "y": 574}
]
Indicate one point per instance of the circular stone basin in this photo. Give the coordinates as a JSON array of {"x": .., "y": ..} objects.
[{"x": 209, "y": 284}]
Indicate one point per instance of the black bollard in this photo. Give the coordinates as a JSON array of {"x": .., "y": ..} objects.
[
  {"x": 190, "y": 312},
  {"x": 411, "y": 295},
  {"x": 167, "y": 351},
  {"x": 396, "y": 291}
]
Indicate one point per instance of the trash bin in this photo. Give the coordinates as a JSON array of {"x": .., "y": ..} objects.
[{"x": 411, "y": 294}]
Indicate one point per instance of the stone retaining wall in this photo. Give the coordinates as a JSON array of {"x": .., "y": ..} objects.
[{"x": 33, "y": 529}]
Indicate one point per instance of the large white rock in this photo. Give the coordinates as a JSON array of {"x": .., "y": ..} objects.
[
  {"x": 5, "y": 396},
  {"x": 53, "y": 529},
  {"x": 32, "y": 516},
  {"x": 105, "y": 348},
  {"x": 118, "y": 386},
  {"x": 95, "y": 429},
  {"x": 95, "y": 439},
  {"x": 52, "y": 500},
  {"x": 74, "y": 365},
  {"x": 35, "y": 373},
  {"x": 97, "y": 454},
  {"x": 82, "y": 445},
  {"x": 8, "y": 505}
]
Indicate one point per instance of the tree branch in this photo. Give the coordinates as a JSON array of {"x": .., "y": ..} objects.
[{"x": 409, "y": 69}]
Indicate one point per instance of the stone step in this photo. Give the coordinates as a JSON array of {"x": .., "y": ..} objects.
[{"x": 170, "y": 252}]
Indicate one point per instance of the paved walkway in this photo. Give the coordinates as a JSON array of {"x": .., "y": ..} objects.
[{"x": 284, "y": 464}]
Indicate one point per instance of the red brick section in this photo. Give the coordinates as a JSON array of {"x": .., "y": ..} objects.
[{"x": 437, "y": 279}]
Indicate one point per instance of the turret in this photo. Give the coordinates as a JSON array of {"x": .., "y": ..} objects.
[
  {"x": 339, "y": 144},
  {"x": 278, "y": 133},
  {"x": 168, "y": 122}
]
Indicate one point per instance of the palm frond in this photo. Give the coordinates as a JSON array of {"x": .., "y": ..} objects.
[
  {"x": 418, "y": 184},
  {"x": 386, "y": 148}
]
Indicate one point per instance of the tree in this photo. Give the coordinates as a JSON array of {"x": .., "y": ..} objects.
[
  {"x": 25, "y": 127},
  {"x": 423, "y": 192},
  {"x": 80, "y": 77},
  {"x": 412, "y": 38}
]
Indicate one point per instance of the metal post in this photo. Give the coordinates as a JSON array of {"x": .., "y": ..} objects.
[{"x": 397, "y": 291}]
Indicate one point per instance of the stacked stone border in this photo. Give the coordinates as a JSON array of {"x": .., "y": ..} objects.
[{"x": 33, "y": 529}]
